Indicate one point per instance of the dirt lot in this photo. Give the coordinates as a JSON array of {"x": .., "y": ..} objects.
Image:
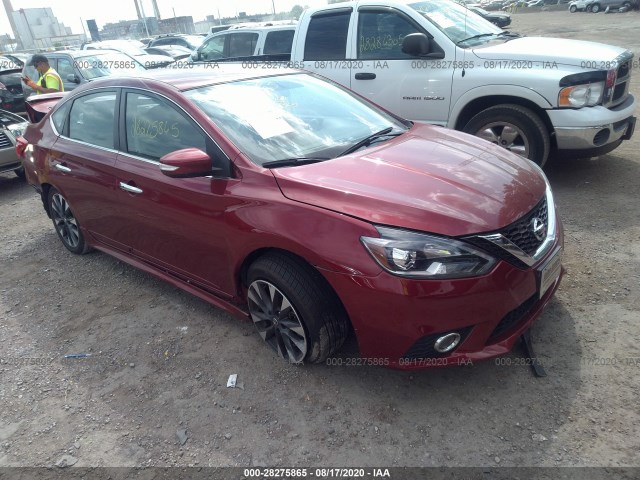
[{"x": 161, "y": 358}]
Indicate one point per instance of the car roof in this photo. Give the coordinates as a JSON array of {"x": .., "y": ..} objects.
[
  {"x": 79, "y": 53},
  {"x": 192, "y": 77}
]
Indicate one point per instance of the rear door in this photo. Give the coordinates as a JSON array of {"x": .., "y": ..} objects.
[{"x": 81, "y": 162}]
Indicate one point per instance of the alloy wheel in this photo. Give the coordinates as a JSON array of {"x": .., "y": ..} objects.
[
  {"x": 506, "y": 135},
  {"x": 64, "y": 221},
  {"x": 277, "y": 321}
]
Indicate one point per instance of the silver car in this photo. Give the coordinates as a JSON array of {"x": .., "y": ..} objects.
[{"x": 11, "y": 127}]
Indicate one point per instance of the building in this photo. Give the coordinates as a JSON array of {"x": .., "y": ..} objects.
[{"x": 39, "y": 29}]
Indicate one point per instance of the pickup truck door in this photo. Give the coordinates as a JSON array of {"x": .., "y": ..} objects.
[
  {"x": 326, "y": 44},
  {"x": 416, "y": 88}
]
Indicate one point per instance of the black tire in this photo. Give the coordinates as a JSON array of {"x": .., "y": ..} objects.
[
  {"x": 516, "y": 128},
  {"x": 20, "y": 172},
  {"x": 573, "y": 9},
  {"x": 312, "y": 325},
  {"x": 595, "y": 8},
  {"x": 65, "y": 223}
]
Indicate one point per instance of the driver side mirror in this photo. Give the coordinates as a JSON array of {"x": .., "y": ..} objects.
[
  {"x": 195, "y": 55},
  {"x": 72, "y": 78},
  {"x": 186, "y": 163},
  {"x": 420, "y": 45}
]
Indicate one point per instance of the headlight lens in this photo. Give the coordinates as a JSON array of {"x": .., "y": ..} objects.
[
  {"x": 577, "y": 96},
  {"x": 419, "y": 255},
  {"x": 17, "y": 129}
]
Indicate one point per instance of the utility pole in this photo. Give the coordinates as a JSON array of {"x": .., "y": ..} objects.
[
  {"x": 273, "y": 3},
  {"x": 144, "y": 18}
]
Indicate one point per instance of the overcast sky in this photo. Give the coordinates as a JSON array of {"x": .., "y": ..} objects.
[{"x": 69, "y": 12}]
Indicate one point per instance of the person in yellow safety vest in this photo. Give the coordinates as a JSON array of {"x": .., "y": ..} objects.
[{"x": 49, "y": 81}]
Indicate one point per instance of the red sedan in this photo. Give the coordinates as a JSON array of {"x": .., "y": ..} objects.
[{"x": 289, "y": 200}]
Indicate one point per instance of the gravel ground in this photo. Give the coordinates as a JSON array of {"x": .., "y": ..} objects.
[{"x": 153, "y": 391}]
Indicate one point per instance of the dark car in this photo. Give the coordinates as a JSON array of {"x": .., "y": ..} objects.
[
  {"x": 76, "y": 67},
  {"x": 187, "y": 41},
  {"x": 499, "y": 19},
  {"x": 11, "y": 92},
  {"x": 174, "y": 51},
  {"x": 284, "y": 198}
]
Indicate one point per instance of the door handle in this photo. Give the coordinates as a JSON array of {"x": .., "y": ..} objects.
[
  {"x": 365, "y": 76},
  {"x": 62, "y": 168},
  {"x": 128, "y": 188}
]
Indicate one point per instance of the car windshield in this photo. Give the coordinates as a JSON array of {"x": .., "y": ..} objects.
[
  {"x": 108, "y": 63},
  {"x": 456, "y": 22},
  {"x": 291, "y": 116}
]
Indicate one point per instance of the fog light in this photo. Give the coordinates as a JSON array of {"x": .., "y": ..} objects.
[{"x": 447, "y": 342}]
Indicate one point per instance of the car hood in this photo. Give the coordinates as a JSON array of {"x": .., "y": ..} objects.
[
  {"x": 560, "y": 51},
  {"x": 429, "y": 179}
]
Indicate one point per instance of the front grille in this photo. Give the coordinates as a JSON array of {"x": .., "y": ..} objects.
[
  {"x": 521, "y": 234},
  {"x": 512, "y": 319},
  {"x": 4, "y": 141},
  {"x": 621, "y": 87},
  {"x": 423, "y": 348}
]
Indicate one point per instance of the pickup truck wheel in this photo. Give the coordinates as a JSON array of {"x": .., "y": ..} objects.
[
  {"x": 573, "y": 9},
  {"x": 516, "y": 128},
  {"x": 595, "y": 8},
  {"x": 65, "y": 223},
  {"x": 295, "y": 311}
]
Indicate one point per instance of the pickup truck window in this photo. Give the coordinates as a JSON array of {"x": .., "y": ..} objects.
[
  {"x": 242, "y": 44},
  {"x": 278, "y": 42},
  {"x": 327, "y": 37},
  {"x": 380, "y": 35}
]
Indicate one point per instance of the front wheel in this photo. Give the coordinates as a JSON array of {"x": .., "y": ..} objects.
[
  {"x": 294, "y": 309},
  {"x": 515, "y": 128},
  {"x": 595, "y": 8},
  {"x": 573, "y": 9},
  {"x": 65, "y": 223}
]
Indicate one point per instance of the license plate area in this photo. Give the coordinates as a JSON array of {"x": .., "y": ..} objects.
[{"x": 549, "y": 272}]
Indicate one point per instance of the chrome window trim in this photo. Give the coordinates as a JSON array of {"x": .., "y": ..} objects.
[{"x": 124, "y": 88}]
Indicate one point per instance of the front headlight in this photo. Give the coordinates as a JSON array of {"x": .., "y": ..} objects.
[
  {"x": 577, "y": 96},
  {"x": 419, "y": 255},
  {"x": 17, "y": 129}
]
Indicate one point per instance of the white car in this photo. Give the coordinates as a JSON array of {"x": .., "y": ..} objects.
[{"x": 578, "y": 5}]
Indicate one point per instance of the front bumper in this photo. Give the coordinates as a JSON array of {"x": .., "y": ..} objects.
[
  {"x": 396, "y": 320},
  {"x": 593, "y": 127}
]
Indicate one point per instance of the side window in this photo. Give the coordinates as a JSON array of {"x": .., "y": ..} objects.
[
  {"x": 59, "y": 117},
  {"x": 242, "y": 44},
  {"x": 65, "y": 68},
  {"x": 380, "y": 35},
  {"x": 213, "y": 49},
  {"x": 279, "y": 41},
  {"x": 155, "y": 128},
  {"x": 327, "y": 37},
  {"x": 162, "y": 41},
  {"x": 91, "y": 119}
]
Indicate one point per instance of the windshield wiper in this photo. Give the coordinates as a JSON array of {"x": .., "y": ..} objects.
[
  {"x": 480, "y": 35},
  {"x": 289, "y": 162},
  {"x": 509, "y": 35},
  {"x": 367, "y": 141}
]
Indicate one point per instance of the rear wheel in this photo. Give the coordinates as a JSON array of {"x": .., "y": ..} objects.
[
  {"x": 515, "y": 128},
  {"x": 65, "y": 223},
  {"x": 294, "y": 309},
  {"x": 595, "y": 8},
  {"x": 19, "y": 172}
]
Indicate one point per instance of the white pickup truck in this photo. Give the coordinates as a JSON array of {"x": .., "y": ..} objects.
[{"x": 436, "y": 61}]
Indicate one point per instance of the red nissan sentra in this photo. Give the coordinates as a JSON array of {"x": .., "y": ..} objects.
[{"x": 289, "y": 200}]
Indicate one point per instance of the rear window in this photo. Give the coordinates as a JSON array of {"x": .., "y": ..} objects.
[{"x": 278, "y": 42}]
